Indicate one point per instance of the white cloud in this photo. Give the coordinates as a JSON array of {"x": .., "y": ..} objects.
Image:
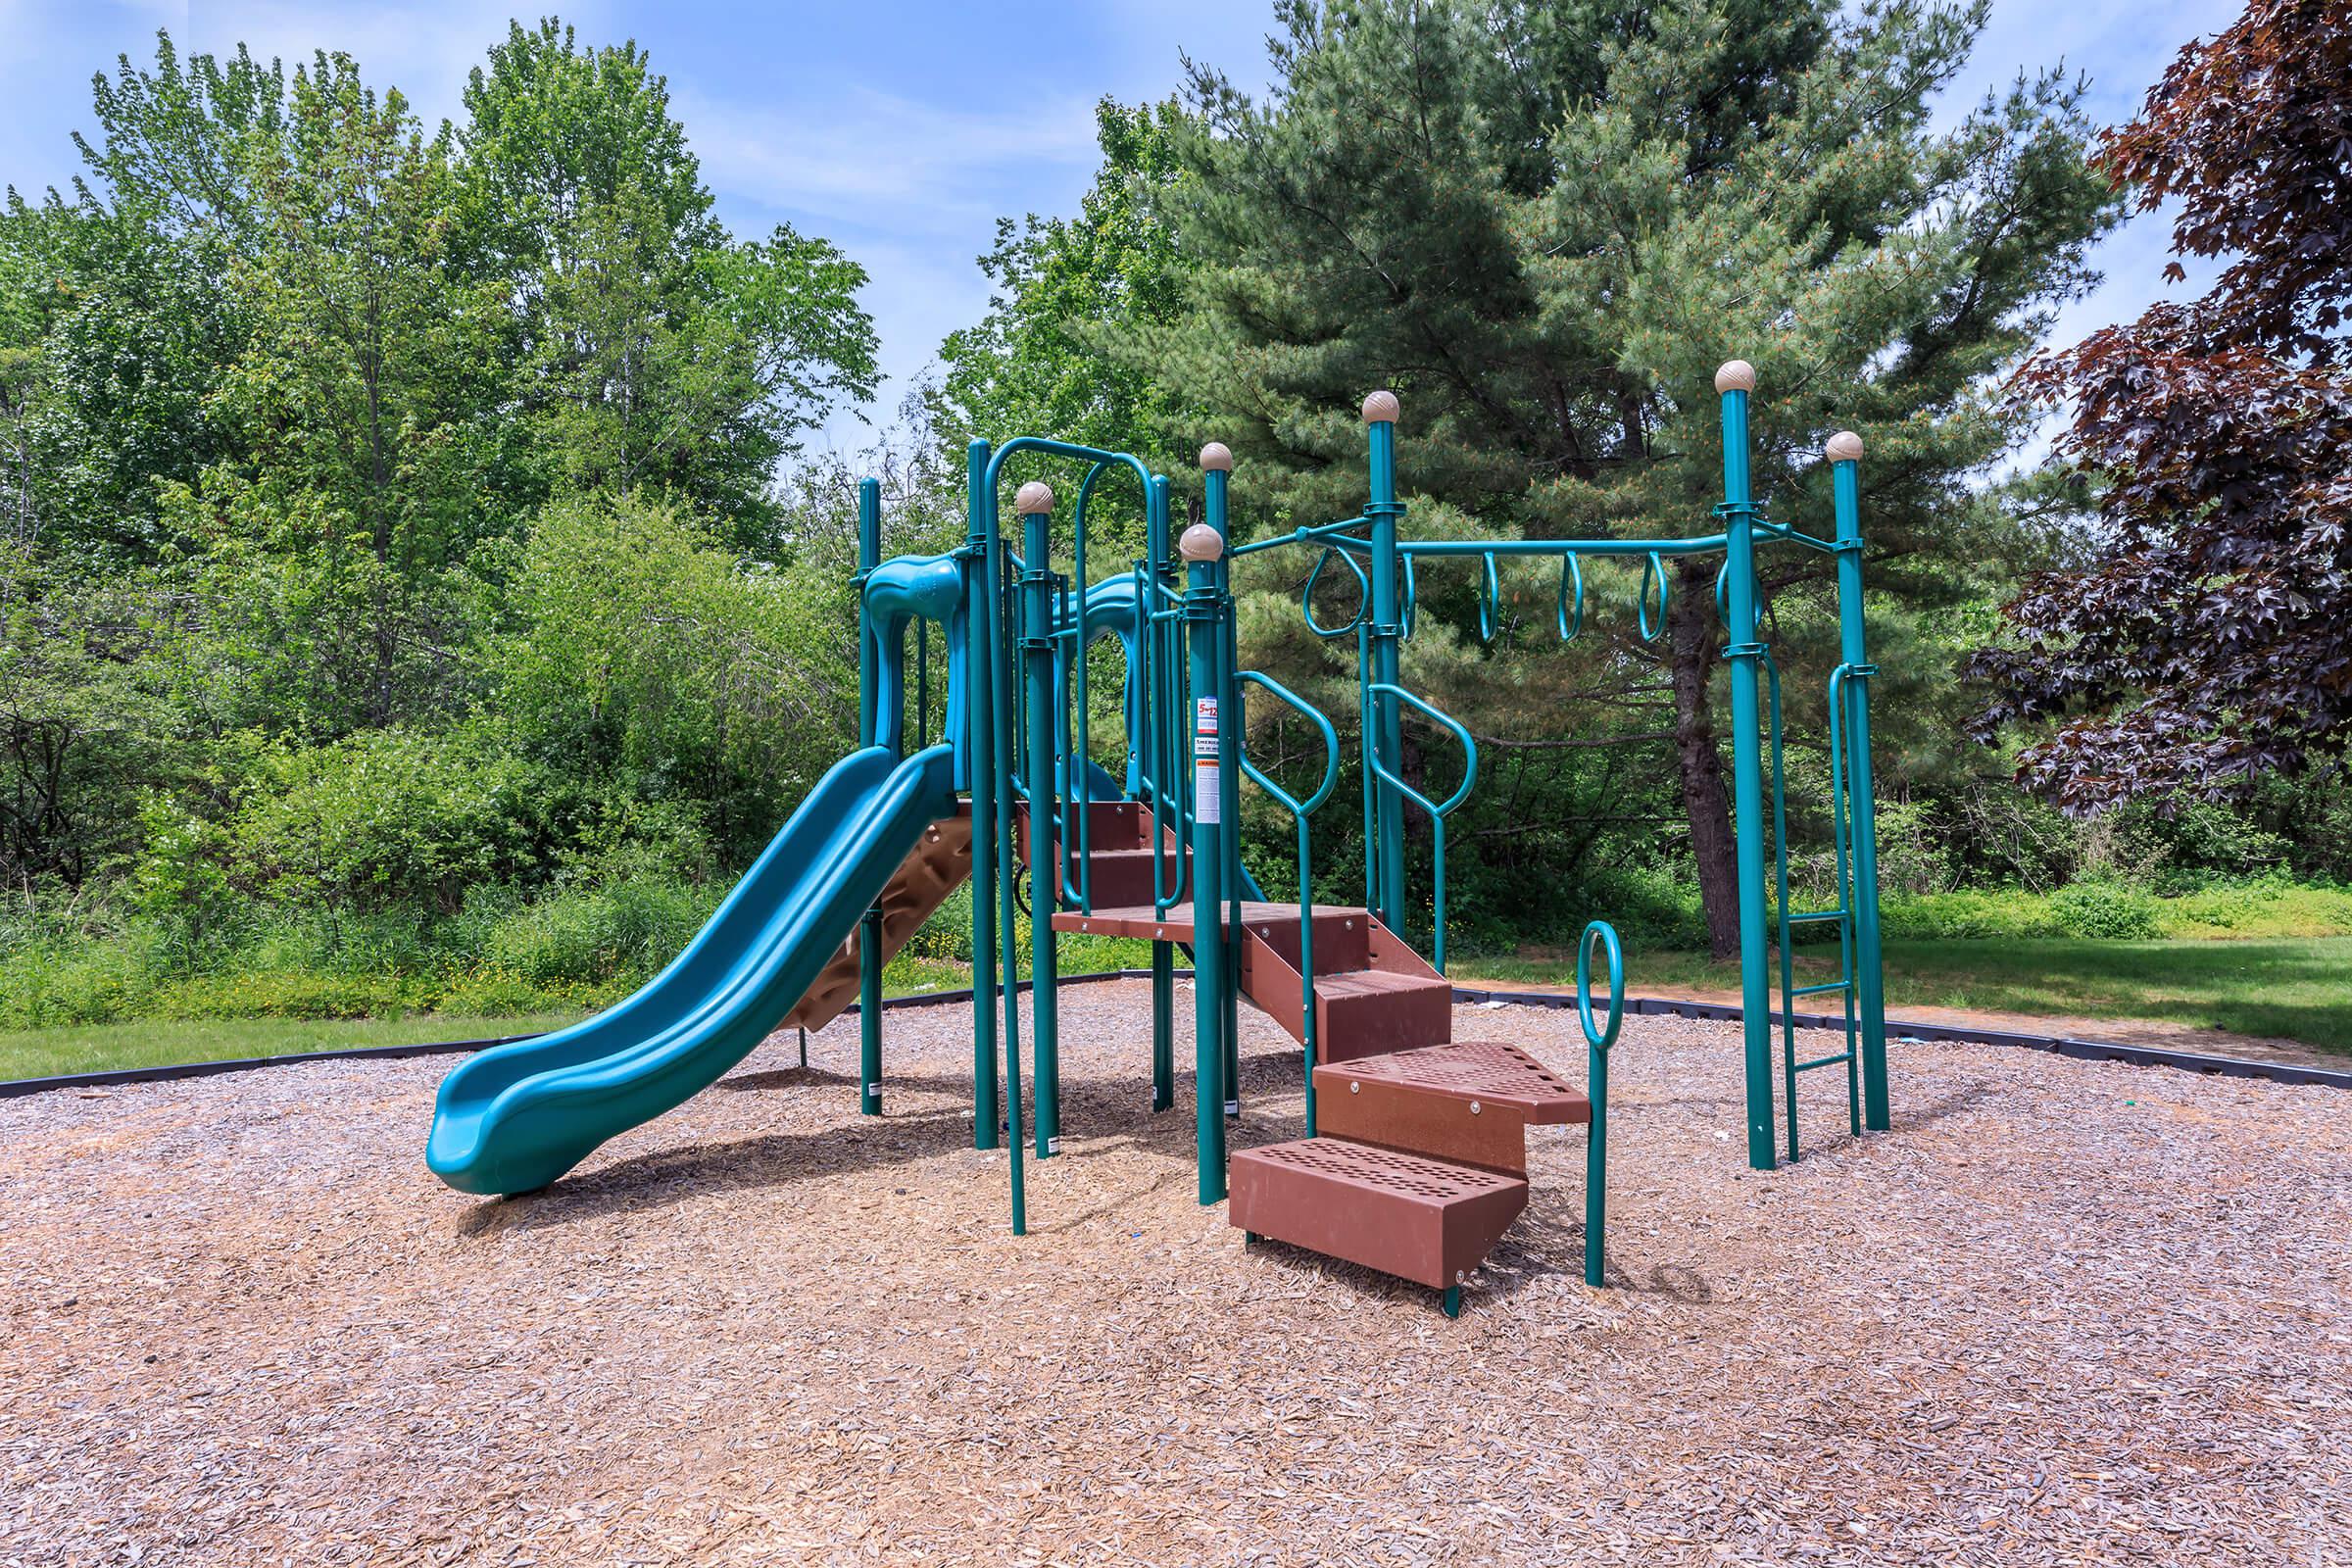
[{"x": 887, "y": 162}]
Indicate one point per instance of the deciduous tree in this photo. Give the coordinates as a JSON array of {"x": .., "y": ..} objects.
[{"x": 2205, "y": 646}]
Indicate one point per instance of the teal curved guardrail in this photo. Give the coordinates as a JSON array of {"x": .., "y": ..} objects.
[
  {"x": 1437, "y": 812},
  {"x": 1300, "y": 811}
]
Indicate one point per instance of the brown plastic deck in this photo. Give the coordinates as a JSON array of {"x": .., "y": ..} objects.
[{"x": 1426, "y": 1221}]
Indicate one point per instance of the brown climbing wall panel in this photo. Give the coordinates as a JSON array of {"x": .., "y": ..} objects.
[{"x": 932, "y": 870}]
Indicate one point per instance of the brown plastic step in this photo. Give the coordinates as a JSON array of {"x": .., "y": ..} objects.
[
  {"x": 1419, "y": 1218},
  {"x": 940, "y": 861},
  {"x": 1118, "y": 849},
  {"x": 1118, "y": 877},
  {"x": 1471, "y": 1100},
  {"x": 1370, "y": 1012}
]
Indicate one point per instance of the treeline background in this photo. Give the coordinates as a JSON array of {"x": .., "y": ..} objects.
[{"x": 414, "y": 590}]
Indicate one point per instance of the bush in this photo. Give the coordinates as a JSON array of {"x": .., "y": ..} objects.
[
  {"x": 2105, "y": 911},
  {"x": 389, "y": 819},
  {"x": 593, "y": 937},
  {"x": 1964, "y": 915}
]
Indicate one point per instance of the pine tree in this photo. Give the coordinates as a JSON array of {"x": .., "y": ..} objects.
[{"x": 1544, "y": 227}]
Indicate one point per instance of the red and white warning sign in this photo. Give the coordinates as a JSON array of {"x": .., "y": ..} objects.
[{"x": 1208, "y": 784}]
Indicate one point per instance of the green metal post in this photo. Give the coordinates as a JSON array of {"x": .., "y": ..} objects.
[
  {"x": 1216, "y": 476},
  {"x": 1846, "y": 455},
  {"x": 1205, "y": 620},
  {"x": 1734, "y": 381},
  {"x": 1163, "y": 1025},
  {"x": 1599, "y": 1039},
  {"x": 979, "y": 739},
  {"x": 1596, "y": 1168},
  {"x": 869, "y": 1014},
  {"x": 1383, "y": 731},
  {"x": 870, "y": 556},
  {"x": 1158, "y": 695},
  {"x": 874, "y": 723},
  {"x": 1000, "y": 828},
  {"x": 1035, "y": 505}
]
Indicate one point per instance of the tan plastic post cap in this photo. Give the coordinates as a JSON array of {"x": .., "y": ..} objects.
[
  {"x": 1845, "y": 447},
  {"x": 1381, "y": 408},
  {"x": 1215, "y": 459},
  {"x": 1201, "y": 542},
  {"x": 1036, "y": 495},
  {"x": 1736, "y": 376}
]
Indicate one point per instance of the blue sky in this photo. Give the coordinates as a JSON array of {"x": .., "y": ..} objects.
[{"x": 901, "y": 129}]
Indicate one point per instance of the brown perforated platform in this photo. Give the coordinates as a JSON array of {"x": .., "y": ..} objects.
[
  {"x": 1485, "y": 1071},
  {"x": 1470, "y": 1102},
  {"x": 1426, "y": 1221}
]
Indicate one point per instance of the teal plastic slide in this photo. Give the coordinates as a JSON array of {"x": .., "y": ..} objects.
[{"x": 516, "y": 1117}]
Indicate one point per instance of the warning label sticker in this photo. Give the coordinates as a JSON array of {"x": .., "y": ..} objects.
[
  {"x": 1205, "y": 715},
  {"x": 1209, "y": 793}
]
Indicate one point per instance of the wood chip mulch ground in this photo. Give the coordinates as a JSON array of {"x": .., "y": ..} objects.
[{"x": 2066, "y": 1314}]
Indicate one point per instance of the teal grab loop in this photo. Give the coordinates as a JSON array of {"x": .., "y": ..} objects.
[
  {"x": 1300, "y": 811},
  {"x": 1437, "y": 812},
  {"x": 1571, "y": 610},
  {"x": 1723, "y": 588},
  {"x": 1602, "y": 935},
  {"x": 1490, "y": 599},
  {"x": 1412, "y": 603},
  {"x": 1364, "y": 600},
  {"x": 1597, "y": 1042},
  {"x": 1654, "y": 571}
]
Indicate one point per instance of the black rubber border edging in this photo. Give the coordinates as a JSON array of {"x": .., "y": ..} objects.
[
  {"x": 2282, "y": 1072},
  {"x": 1640, "y": 1006}
]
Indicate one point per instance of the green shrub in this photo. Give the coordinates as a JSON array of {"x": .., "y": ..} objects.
[
  {"x": 1966, "y": 915},
  {"x": 592, "y": 937},
  {"x": 2106, "y": 911},
  {"x": 389, "y": 819}
]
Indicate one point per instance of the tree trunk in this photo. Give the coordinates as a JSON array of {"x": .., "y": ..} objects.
[{"x": 1691, "y": 637}]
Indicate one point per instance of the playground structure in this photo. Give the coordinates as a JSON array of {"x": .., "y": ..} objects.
[{"x": 1414, "y": 1156}]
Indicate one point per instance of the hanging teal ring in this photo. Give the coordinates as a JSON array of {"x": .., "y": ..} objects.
[
  {"x": 1490, "y": 600},
  {"x": 1571, "y": 619},
  {"x": 1654, "y": 571},
  {"x": 1412, "y": 598},
  {"x": 1306, "y": 595}
]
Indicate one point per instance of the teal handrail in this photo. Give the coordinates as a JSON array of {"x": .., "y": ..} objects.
[
  {"x": 1437, "y": 812},
  {"x": 1299, "y": 810}
]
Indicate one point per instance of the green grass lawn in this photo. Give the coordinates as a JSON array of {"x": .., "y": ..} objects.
[
  {"x": 2293, "y": 988},
  {"x": 103, "y": 1046}
]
